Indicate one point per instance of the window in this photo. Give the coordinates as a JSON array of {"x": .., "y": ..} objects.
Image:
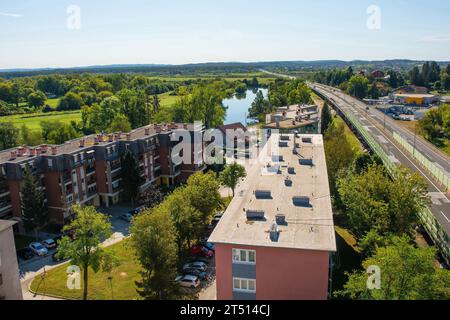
[
  {"x": 244, "y": 285},
  {"x": 244, "y": 256}
]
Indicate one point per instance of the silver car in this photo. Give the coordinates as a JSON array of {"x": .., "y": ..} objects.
[{"x": 38, "y": 249}]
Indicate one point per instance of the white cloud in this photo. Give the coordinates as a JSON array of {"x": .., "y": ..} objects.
[
  {"x": 436, "y": 38},
  {"x": 13, "y": 15}
]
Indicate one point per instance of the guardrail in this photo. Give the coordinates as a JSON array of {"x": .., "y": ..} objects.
[
  {"x": 437, "y": 172},
  {"x": 440, "y": 238}
]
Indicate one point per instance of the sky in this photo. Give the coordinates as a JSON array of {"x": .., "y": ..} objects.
[{"x": 60, "y": 33}]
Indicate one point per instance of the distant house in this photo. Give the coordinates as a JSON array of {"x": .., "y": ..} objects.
[
  {"x": 378, "y": 74},
  {"x": 412, "y": 89}
]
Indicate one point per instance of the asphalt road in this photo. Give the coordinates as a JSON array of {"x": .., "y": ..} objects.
[{"x": 373, "y": 121}]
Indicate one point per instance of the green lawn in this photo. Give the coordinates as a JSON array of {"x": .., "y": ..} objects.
[
  {"x": 123, "y": 281},
  {"x": 351, "y": 138},
  {"x": 53, "y": 103},
  {"x": 33, "y": 120}
]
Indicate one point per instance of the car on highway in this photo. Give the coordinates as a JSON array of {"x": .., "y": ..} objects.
[
  {"x": 188, "y": 281},
  {"x": 25, "y": 253},
  {"x": 126, "y": 217},
  {"x": 38, "y": 249},
  {"x": 49, "y": 244},
  {"x": 196, "y": 265}
]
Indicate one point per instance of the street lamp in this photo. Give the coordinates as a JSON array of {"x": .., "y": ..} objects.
[{"x": 110, "y": 278}]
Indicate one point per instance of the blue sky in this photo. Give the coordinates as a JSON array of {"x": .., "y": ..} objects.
[{"x": 34, "y": 33}]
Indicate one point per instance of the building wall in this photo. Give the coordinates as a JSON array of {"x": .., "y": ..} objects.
[
  {"x": 10, "y": 288},
  {"x": 281, "y": 274}
]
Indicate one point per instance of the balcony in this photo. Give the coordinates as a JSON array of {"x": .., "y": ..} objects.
[{"x": 90, "y": 169}]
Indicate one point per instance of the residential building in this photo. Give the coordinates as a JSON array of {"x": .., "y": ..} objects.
[
  {"x": 276, "y": 240},
  {"x": 10, "y": 288},
  {"x": 237, "y": 135},
  {"x": 88, "y": 170},
  {"x": 295, "y": 118}
]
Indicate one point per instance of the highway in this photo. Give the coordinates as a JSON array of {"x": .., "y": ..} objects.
[{"x": 381, "y": 128}]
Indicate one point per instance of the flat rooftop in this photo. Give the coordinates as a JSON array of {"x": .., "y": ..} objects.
[
  {"x": 281, "y": 183},
  {"x": 415, "y": 95},
  {"x": 73, "y": 146}
]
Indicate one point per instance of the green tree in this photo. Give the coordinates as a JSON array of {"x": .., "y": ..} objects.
[
  {"x": 153, "y": 237},
  {"x": 120, "y": 123},
  {"x": 259, "y": 107},
  {"x": 231, "y": 175},
  {"x": 70, "y": 101},
  {"x": 416, "y": 77},
  {"x": 37, "y": 99},
  {"x": 358, "y": 86},
  {"x": 34, "y": 212},
  {"x": 156, "y": 103},
  {"x": 90, "y": 229},
  {"x": 131, "y": 177},
  {"x": 326, "y": 118},
  {"x": 407, "y": 273},
  {"x": 30, "y": 138},
  {"x": 57, "y": 132},
  {"x": 9, "y": 135}
]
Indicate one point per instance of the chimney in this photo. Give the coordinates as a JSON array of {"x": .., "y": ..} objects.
[
  {"x": 100, "y": 137},
  {"x": 32, "y": 152},
  {"x": 158, "y": 129},
  {"x": 110, "y": 138},
  {"x": 96, "y": 141},
  {"x": 82, "y": 141},
  {"x": 13, "y": 154},
  {"x": 44, "y": 148},
  {"x": 147, "y": 131},
  {"x": 21, "y": 151},
  {"x": 185, "y": 126},
  {"x": 273, "y": 232},
  {"x": 128, "y": 136},
  {"x": 117, "y": 137},
  {"x": 54, "y": 150}
]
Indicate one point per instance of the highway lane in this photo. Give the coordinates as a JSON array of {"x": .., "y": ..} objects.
[
  {"x": 440, "y": 206},
  {"x": 427, "y": 149}
]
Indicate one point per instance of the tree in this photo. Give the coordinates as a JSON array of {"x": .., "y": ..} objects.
[
  {"x": 30, "y": 138},
  {"x": 416, "y": 77},
  {"x": 231, "y": 175},
  {"x": 120, "y": 123},
  {"x": 156, "y": 103},
  {"x": 259, "y": 106},
  {"x": 150, "y": 198},
  {"x": 131, "y": 177},
  {"x": 70, "y": 101},
  {"x": 37, "y": 99},
  {"x": 90, "y": 229},
  {"x": 327, "y": 118},
  {"x": 8, "y": 135},
  {"x": 358, "y": 86},
  {"x": 153, "y": 237},
  {"x": 407, "y": 273},
  {"x": 34, "y": 212},
  {"x": 372, "y": 201},
  {"x": 57, "y": 132}
]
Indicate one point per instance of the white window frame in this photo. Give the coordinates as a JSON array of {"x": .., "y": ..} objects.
[
  {"x": 237, "y": 254},
  {"x": 242, "y": 281}
]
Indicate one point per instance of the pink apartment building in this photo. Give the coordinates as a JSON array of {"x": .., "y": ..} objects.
[{"x": 276, "y": 239}]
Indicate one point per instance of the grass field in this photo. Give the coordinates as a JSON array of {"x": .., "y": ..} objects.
[
  {"x": 123, "y": 279},
  {"x": 33, "y": 120},
  {"x": 53, "y": 103},
  {"x": 351, "y": 138}
]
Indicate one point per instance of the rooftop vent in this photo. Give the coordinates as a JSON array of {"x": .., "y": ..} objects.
[
  {"x": 82, "y": 141},
  {"x": 280, "y": 219},
  {"x": 263, "y": 194},
  {"x": 288, "y": 182},
  {"x": 283, "y": 144},
  {"x": 306, "y": 162},
  {"x": 284, "y": 138},
  {"x": 110, "y": 138},
  {"x": 301, "y": 201},
  {"x": 255, "y": 214},
  {"x": 185, "y": 126},
  {"x": 117, "y": 137},
  {"x": 291, "y": 170},
  {"x": 13, "y": 154},
  {"x": 54, "y": 151},
  {"x": 21, "y": 151},
  {"x": 44, "y": 148},
  {"x": 147, "y": 131},
  {"x": 307, "y": 140},
  {"x": 96, "y": 140},
  {"x": 277, "y": 158},
  {"x": 128, "y": 136},
  {"x": 274, "y": 233},
  {"x": 158, "y": 129}
]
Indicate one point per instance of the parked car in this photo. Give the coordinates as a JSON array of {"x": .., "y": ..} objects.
[
  {"x": 126, "y": 217},
  {"x": 200, "y": 259},
  {"x": 136, "y": 210},
  {"x": 188, "y": 281},
  {"x": 196, "y": 265},
  {"x": 199, "y": 250},
  {"x": 202, "y": 275},
  {"x": 210, "y": 246},
  {"x": 38, "y": 249},
  {"x": 25, "y": 253},
  {"x": 49, "y": 244}
]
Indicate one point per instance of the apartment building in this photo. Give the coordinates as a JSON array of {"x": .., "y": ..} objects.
[
  {"x": 10, "y": 288},
  {"x": 276, "y": 239},
  {"x": 87, "y": 171},
  {"x": 295, "y": 118}
]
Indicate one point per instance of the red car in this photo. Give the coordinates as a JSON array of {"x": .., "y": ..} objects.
[{"x": 198, "y": 250}]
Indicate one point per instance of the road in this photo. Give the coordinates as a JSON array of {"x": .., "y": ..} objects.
[{"x": 373, "y": 122}]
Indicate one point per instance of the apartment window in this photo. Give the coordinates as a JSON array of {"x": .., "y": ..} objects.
[
  {"x": 244, "y": 256},
  {"x": 244, "y": 285}
]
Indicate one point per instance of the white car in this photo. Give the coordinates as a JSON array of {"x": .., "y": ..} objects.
[
  {"x": 38, "y": 249},
  {"x": 49, "y": 244},
  {"x": 188, "y": 281}
]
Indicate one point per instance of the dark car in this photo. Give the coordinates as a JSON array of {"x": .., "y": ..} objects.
[
  {"x": 195, "y": 272},
  {"x": 25, "y": 253}
]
